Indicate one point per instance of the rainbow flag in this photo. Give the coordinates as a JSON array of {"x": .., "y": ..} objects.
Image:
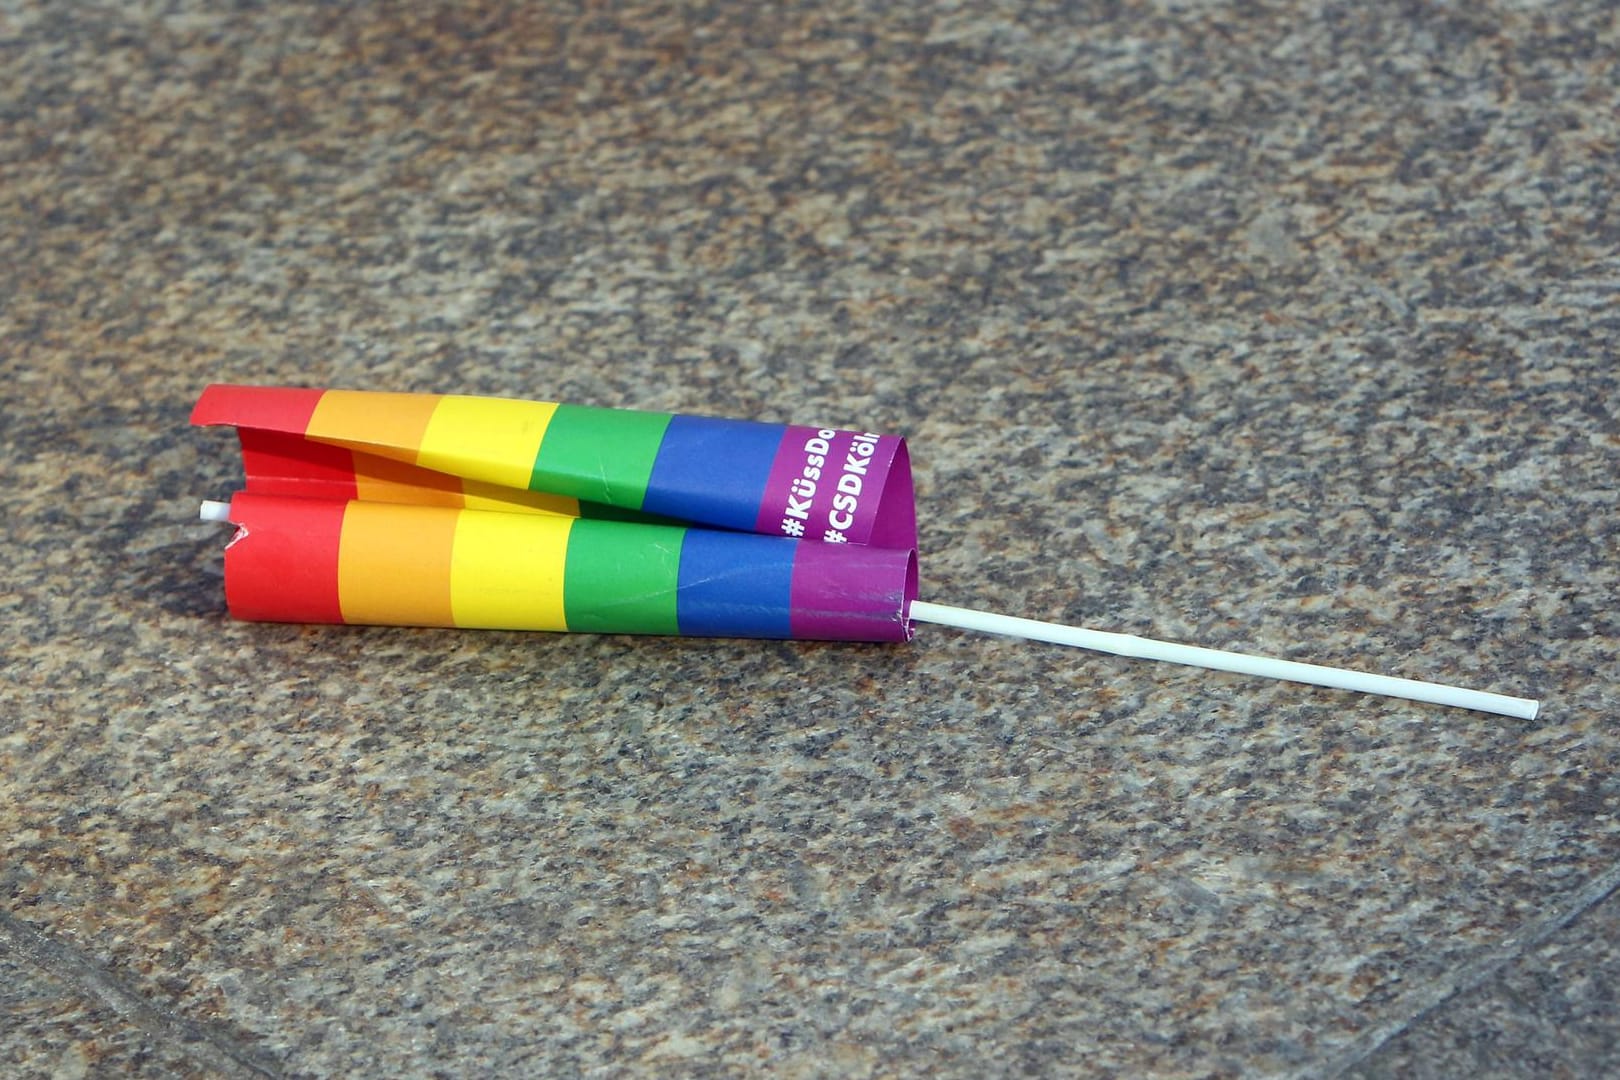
[
  {"x": 448, "y": 510},
  {"x": 445, "y": 510}
]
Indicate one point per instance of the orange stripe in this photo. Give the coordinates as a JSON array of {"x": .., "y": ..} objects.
[
  {"x": 377, "y": 479},
  {"x": 391, "y": 425},
  {"x": 394, "y": 564}
]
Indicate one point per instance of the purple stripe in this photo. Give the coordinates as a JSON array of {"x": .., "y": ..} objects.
[
  {"x": 847, "y": 592},
  {"x": 842, "y": 487}
]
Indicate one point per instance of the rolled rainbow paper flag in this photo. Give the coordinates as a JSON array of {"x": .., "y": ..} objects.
[
  {"x": 448, "y": 510},
  {"x": 321, "y": 560},
  {"x": 815, "y": 483}
]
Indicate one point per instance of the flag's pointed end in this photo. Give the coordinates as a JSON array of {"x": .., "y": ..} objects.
[{"x": 1242, "y": 663}]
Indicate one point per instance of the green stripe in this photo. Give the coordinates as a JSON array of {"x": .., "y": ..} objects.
[
  {"x": 603, "y": 512},
  {"x": 622, "y": 579},
  {"x": 599, "y": 455}
]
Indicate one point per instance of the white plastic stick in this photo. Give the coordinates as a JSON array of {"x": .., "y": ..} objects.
[
  {"x": 215, "y": 511},
  {"x": 1242, "y": 663}
]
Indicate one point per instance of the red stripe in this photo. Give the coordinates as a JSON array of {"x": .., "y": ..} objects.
[
  {"x": 271, "y": 421},
  {"x": 279, "y": 463},
  {"x": 282, "y": 566},
  {"x": 279, "y": 408}
]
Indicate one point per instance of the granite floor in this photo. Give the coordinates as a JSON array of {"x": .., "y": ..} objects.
[{"x": 1285, "y": 327}]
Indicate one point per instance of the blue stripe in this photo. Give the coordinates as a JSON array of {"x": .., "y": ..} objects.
[
  {"x": 735, "y": 585},
  {"x": 713, "y": 471}
]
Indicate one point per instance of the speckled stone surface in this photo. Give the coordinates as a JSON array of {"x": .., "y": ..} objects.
[
  {"x": 1546, "y": 1010},
  {"x": 54, "y": 1031},
  {"x": 1281, "y": 327}
]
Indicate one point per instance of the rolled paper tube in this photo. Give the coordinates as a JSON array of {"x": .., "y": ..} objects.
[
  {"x": 319, "y": 560},
  {"x": 464, "y": 452}
]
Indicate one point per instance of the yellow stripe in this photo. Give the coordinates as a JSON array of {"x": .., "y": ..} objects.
[
  {"x": 508, "y": 571},
  {"x": 394, "y": 564},
  {"x": 489, "y": 439},
  {"x": 387, "y": 424},
  {"x": 379, "y": 479},
  {"x": 480, "y": 496}
]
